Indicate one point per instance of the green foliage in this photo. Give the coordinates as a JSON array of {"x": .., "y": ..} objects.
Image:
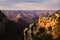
[
  {"x": 35, "y": 37},
  {"x": 47, "y": 37}
]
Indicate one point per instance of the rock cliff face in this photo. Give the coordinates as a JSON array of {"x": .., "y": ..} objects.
[
  {"x": 29, "y": 16},
  {"x": 3, "y": 20},
  {"x": 56, "y": 16},
  {"x": 58, "y": 20},
  {"x": 10, "y": 30}
]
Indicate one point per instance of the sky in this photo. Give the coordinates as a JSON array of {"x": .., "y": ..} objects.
[{"x": 29, "y": 4}]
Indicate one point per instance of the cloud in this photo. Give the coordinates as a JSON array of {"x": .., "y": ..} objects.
[
  {"x": 2, "y": 0},
  {"x": 55, "y": 1},
  {"x": 23, "y": 4},
  {"x": 30, "y": 6},
  {"x": 26, "y": 1}
]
